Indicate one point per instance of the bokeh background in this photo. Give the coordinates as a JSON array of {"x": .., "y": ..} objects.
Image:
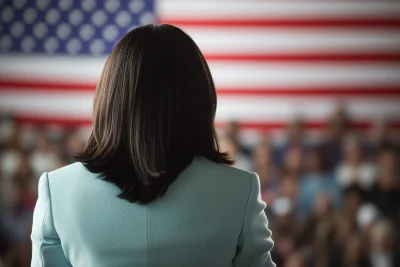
[{"x": 309, "y": 98}]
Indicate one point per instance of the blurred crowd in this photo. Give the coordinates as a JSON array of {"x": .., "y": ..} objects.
[
  {"x": 332, "y": 201},
  {"x": 26, "y": 151}
]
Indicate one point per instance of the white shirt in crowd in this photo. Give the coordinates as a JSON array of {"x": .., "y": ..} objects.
[{"x": 363, "y": 175}]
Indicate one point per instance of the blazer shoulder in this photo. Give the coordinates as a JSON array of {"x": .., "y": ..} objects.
[
  {"x": 224, "y": 171},
  {"x": 71, "y": 170}
]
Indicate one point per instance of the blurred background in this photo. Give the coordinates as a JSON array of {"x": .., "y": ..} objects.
[{"x": 309, "y": 98}]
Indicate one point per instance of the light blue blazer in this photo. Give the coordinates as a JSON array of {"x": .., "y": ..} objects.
[{"x": 212, "y": 215}]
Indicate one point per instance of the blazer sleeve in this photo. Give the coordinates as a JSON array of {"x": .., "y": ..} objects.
[
  {"x": 254, "y": 243},
  {"x": 46, "y": 245}
]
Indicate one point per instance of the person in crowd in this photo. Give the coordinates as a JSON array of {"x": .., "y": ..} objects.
[
  {"x": 267, "y": 170},
  {"x": 386, "y": 191},
  {"x": 4, "y": 235},
  {"x": 354, "y": 253},
  {"x": 337, "y": 129},
  {"x": 294, "y": 142},
  {"x": 354, "y": 169},
  {"x": 346, "y": 219},
  {"x": 345, "y": 227},
  {"x": 382, "y": 245},
  {"x": 24, "y": 176},
  {"x": 378, "y": 137},
  {"x": 284, "y": 228},
  {"x": 315, "y": 181},
  {"x": 294, "y": 161},
  {"x": 12, "y": 159},
  {"x": 289, "y": 185},
  {"x": 15, "y": 223},
  {"x": 19, "y": 212},
  {"x": 11, "y": 149},
  {"x": 72, "y": 144},
  {"x": 322, "y": 230},
  {"x": 8, "y": 127},
  {"x": 353, "y": 198},
  {"x": 44, "y": 157}
]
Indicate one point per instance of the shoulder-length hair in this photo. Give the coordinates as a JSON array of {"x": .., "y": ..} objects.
[{"x": 153, "y": 112}]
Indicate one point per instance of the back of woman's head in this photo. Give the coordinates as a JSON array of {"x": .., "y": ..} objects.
[{"x": 153, "y": 112}]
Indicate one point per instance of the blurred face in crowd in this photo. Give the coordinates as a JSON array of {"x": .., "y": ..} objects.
[
  {"x": 12, "y": 138},
  {"x": 24, "y": 168},
  {"x": 314, "y": 162},
  {"x": 352, "y": 202},
  {"x": 337, "y": 125},
  {"x": 379, "y": 132},
  {"x": 262, "y": 156},
  {"x": 353, "y": 154},
  {"x": 323, "y": 206},
  {"x": 295, "y": 131},
  {"x": 74, "y": 144},
  {"x": 293, "y": 160},
  {"x": 388, "y": 169},
  {"x": 289, "y": 186},
  {"x": 43, "y": 144},
  {"x": 9, "y": 162},
  {"x": 295, "y": 260}
]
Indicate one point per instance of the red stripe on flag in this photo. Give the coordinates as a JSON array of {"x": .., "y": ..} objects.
[
  {"x": 45, "y": 85},
  {"x": 322, "y": 92},
  {"x": 286, "y": 23},
  {"x": 308, "y": 58},
  {"x": 367, "y": 90}
]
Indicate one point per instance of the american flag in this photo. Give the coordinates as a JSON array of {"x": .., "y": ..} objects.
[{"x": 272, "y": 61}]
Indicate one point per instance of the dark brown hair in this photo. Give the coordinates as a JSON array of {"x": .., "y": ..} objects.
[{"x": 153, "y": 112}]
